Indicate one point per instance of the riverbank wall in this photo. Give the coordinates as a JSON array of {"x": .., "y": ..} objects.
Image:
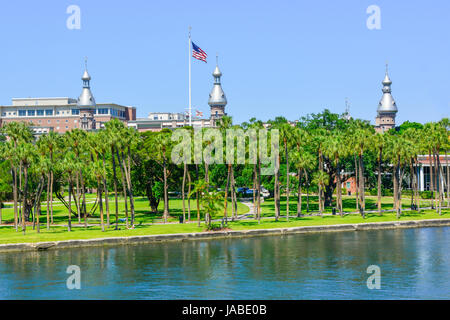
[{"x": 54, "y": 245}]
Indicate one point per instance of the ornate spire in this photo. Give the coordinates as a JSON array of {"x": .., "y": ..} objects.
[
  {"x": 217, "y": 96},
  {"x": 387, "y": 102},
  {"x": 86, "y": 98}
]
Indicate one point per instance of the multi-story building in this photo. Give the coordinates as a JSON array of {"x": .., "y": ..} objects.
[{"x": 63, "y": 114}]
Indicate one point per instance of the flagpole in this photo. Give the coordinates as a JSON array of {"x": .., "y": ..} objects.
[{"x": 190, "y": 97}]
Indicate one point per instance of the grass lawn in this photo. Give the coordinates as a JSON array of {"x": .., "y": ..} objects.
[
  {"x": 57, "y": 233},
  {"x": 142, "y": 211}
]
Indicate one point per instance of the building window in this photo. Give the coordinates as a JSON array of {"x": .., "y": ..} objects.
[
  {"x": 31, "y": 112},
  {"x": 75, "y": 111},
  {"x": 103, "y": 111},
  {"x": 40, "y": 112},
  {"x": 67, "y": 120},
  {"x": 22, "y": 113},
  {"x": 48, "y": 112},
  {"x": 48, "y": 121}
]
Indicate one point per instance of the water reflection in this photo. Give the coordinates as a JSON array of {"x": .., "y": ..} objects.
[{"x": 414, "y": 264}]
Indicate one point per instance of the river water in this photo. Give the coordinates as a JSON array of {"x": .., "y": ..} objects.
[{"x": 414, "y": 264}]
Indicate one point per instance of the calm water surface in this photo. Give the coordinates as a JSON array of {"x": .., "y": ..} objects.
[{"x": 414, "y": 264}]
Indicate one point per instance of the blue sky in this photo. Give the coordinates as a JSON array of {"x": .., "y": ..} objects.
[{"x": 285, "y": 58}]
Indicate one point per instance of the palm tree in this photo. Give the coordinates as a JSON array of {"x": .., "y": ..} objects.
[
  {"x": 17, "y": 132},
  {"x": 334, "y": 150},
  {"x": 160, "y": 145},
  {"x": 362, "y": 136},
  {"x": 26, "y": 155},
  {"x": 76, "y": 140},
  {"x": 48, "y": 144},
  {"x": 113, "y": 129},
  {"x": 302, "y": 160},
  {"x": 70, "y": 166},
  {"x": 286, "y": 134}
]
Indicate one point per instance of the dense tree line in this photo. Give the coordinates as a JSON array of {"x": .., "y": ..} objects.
[{"x": 317, "y": 153}]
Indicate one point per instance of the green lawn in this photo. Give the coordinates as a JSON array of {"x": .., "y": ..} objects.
[
  {"x": 58, "y": 233},
  {"x": 142, "y": 211}
]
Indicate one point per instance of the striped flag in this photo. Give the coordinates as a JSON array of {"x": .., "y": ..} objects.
[
  {"x": 198, "y": 53},
  {"x": 198, "y": 113}
]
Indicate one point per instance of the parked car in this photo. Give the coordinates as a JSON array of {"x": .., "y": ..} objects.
[
  {"x": 249, "y": 192},
  {"x": 264, "y": 192}
]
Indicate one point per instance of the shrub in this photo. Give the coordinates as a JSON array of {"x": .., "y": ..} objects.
[{"x": 425, "y": 194}]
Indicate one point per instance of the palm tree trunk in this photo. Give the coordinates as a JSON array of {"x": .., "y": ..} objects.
[
  {"x": 417, "y": 185},
  {"x": 128, "y": 180},
  {"x": 225, "y": 213},
  {"x": 182, "y": 190},
  {"x": 254, "y": 187},
  {"x": 189, "y": 195},
  {"x": 379, "y": 181},
  {"x": 105, "y": 186},
  {"x": 436, "y": 181},
  {"x": 124, "y": 186},
  {"x": 431, "y": 178},
  {"x": 307, "y": 190},
  {"x": 83, "y": 195},
  {"x": 258, "y": 208},
  {"x": 48, "y": 201},
  {"x": 77, "y": 198},
  {"x": 25, "y": 195},
  {"x": 397, "y": 189},
  {"x": 276, "y": 190},
  {"x": 356, "y": 183},
  {"x": 197, "y": 197},
  {"x": 438, "y": 178},
  {"x": 116, "y": 201},
  {"x": 362, "y": 187},
  {"x": 100, "y": 203},
  {"x": 16, "y": 224},
  {"x": 287, "y": 181},
  {"x": 338, "y": 191},
  {"x": 69, "y": 226},
  {"x": 166, "y": 198},
  {"x": 299, "y": 193},
  {"x": 51, "y": 196}
]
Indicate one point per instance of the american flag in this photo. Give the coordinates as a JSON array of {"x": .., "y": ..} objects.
[
  {"x": 198, "y": 53},
  {"x": 198, "y": 113}
]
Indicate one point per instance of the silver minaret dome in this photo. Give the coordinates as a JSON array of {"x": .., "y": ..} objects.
[
  {"x": 86, "y": 98},
  {"x": 217, "y": 96},
  {"x": 387, "y": 102}
]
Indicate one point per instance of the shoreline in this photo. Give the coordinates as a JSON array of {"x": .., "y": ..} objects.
[{"x": 144, "y": 239}]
